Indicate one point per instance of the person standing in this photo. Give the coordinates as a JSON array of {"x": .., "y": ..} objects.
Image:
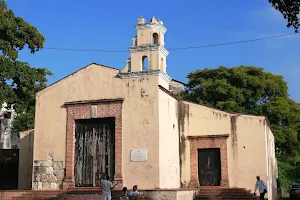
[
  {"x": 262, "y": 188},
  {"x": 107, "y": 186}
]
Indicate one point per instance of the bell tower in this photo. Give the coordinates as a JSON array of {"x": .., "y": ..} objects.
[{"x": 148, "y": 52}]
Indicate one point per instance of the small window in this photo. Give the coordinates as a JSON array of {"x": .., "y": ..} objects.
[
  {"x": 155, "y": 38},
  {"x": 145, "y": 63}
]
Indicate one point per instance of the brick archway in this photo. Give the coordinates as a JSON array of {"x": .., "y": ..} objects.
[
  {"x": 204, "y": 142},
  {"x": 87, "y": 110}
]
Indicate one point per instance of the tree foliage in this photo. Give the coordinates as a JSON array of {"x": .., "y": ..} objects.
[
  {"x": 284, "y": 116},
  {"x": 18, "y": 81},
  {"x": 290, "y": 10}
]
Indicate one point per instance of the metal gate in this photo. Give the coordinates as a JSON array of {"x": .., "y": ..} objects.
[
  {"x": 9, "y": 169},
  {"x": 209, "y": 167},
  {"x": 94, "y": 151}
]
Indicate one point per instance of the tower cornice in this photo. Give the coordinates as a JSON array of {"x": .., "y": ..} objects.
[
  {"x": 149, "y": 26},
  {"x": 149, "y": 47},
  {"x": 157, "y": 72}
]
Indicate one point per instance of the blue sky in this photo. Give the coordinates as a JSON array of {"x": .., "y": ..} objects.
[{"x": 109, "y": 25}]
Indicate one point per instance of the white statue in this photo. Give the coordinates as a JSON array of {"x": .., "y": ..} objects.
[{"x": 6, "y": 126}]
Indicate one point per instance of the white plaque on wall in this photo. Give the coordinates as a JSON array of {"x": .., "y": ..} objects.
[{"x": 138, "y": 155}]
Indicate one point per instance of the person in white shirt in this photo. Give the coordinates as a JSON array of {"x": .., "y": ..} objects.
[
  {"x": 107, "y": 186},
  {"x": 262, "y": 188},
  {"x": 134, "y": 194}
]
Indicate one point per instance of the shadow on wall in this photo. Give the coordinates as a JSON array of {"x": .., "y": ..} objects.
[{"x": 26, "y": 159}]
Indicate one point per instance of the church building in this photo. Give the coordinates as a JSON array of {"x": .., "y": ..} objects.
[{"x": 130, "y": 125}]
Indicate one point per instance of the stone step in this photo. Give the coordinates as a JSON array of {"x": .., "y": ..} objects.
[
  {"x": 85, "y": 189},
  {"x": 36, "y": 198},
  {"x": 43, "y": 192},
  {"x": 224, "y": 198},
  {"x": 225, "y": 190},
  {"x": 224, "y": 193},
  {"x": 40, "y": 194},
  {"x": 231, "y": 196},
  {"x": 221, "y": 189}
]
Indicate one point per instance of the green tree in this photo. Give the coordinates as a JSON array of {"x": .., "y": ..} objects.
[
  {"x": 290, "y": 10},
  {"x": 18, "y": 81},
  {"x": 284, "y": 116}
]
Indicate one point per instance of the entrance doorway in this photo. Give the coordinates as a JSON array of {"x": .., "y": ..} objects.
[
  {"x": 9, "y": 169},
  {"x": 209, "y": 167},
  {"x": 94, "y": 151}
]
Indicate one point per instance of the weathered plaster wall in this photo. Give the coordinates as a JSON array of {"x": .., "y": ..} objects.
[
  {"x": 169, "y": 170},
  {"x": 25, "y": 160},
  {"x": 272, "y": 165},
  {"x": 196, "y": 120},
  {"x": 246, "y": 144},
  {"x": 140, "y": 122},
  {"x": 246, "y": 151},
  {"x": 144, "y": 37},
  {"x": 200, "y": 120},
  {"x": 155, "y": 61}
]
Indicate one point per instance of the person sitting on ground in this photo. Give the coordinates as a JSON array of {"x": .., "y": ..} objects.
[
  {"x": 134, "y": 194},
  {"x": 107, "y": 186},
  {"x": 124, "y": 194}
]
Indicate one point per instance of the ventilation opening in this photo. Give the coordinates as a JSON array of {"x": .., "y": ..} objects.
[
  {"x": 145, "y": 63},
  {"x": 155, "y": 38},
  {"x": 162, "y": 64}
]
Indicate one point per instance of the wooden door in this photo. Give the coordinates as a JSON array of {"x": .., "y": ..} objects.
[
  {"x": 209, "y": 167},
  {"x": 94, "y": 151}
]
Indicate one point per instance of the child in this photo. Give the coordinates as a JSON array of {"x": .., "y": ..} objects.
[{"x": 124, "y": 194}]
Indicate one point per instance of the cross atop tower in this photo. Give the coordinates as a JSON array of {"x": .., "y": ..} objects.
[{"x": 148, "y": 51}]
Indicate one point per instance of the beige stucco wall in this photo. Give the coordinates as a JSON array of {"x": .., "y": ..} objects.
[
  {"x": 144, "y": 37},
  {"x": 156, "y": 60},
  {"x": 197, "y": 120},
  {"x": 272, "y": 165},
  {"x": 25, "y": 159},
  {"x": 169, "y": 169},
  {"x": 140, "y": 118},
  {"x": 247, "y": 153},
  {"x": 246, "y": 145}
]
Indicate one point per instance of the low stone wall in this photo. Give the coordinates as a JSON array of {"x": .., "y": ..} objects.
[
  {"x": 10, "y": 194},
  {"x": 148, "y": 194},
  {"x": 48, "y": 174},
  {"x": 176, "y": 194},
  {"x": 80, "y": 196}
]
